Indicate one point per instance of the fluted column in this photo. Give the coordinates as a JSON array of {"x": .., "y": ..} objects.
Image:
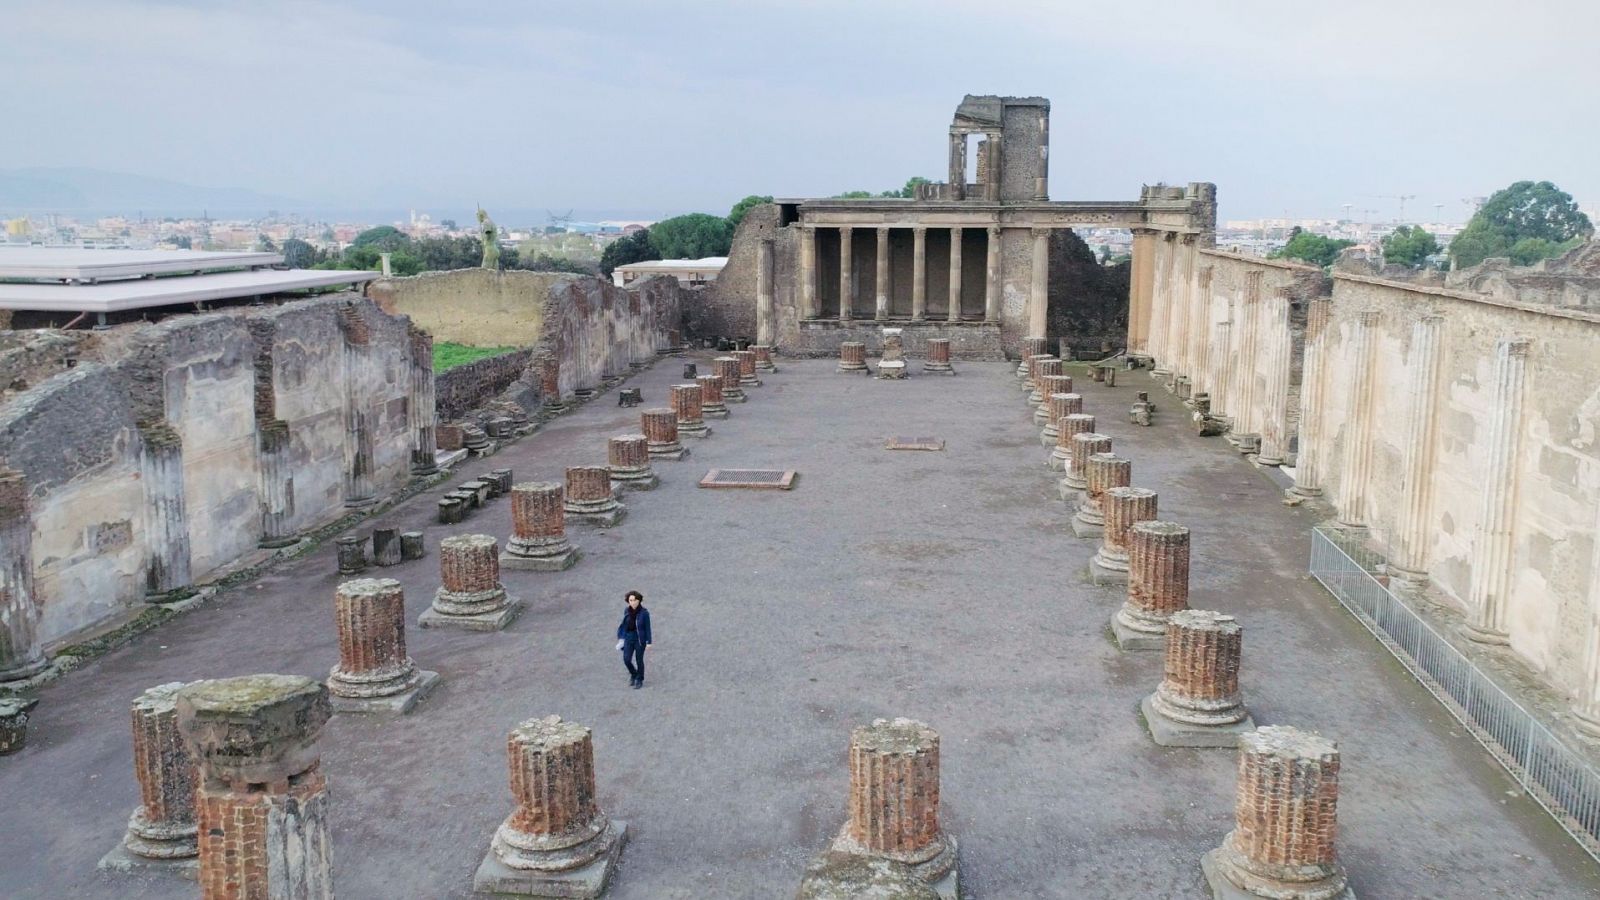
[
  {"x": 1039, "y": 288},
  {"x": 1221, "y": 398},
  {"x": 1187, "y": 315},
  {"x": 881, "y": 279},
  {"x": 539, "y": 526},
  {"x": 628, "y": 455},
  {"x": 1275, "y": 405},
  {"x": 958, "y": 166},
  {"x": 1068, "y": 427},
  {"x": 470, "y": 594},
  {"x": 422, "y": 404},
  {"x": 1308, "y": 462},
  {"x": 1198, "y": 703},
  {"x": 163, "y": 825},
  {"x": 919, "y": 273},
  {"x": 166, "y": 509},
  {"x": 1414, "y": 529},
  {"x": 1158, "y": 584},
  {"x": 1102, "y": 472},
  {"x": 1358, "y": 430},
  {"x": 953, "y": 313},
  {"x": 373, "y": 663},
  {"x": 1492, "y": 544},
  {"x": 894, "y": 797},
  {"x": 847, "y": 275},
  {"x": 1124, "y": 507},
  {"x": 809, "y": 306},
  {"x": 589, "y": 498},
  {"x": 359, "y": 489},
  {"x": 991, "y": 284},
  {"x": 766, "y": 310},
  {"x": 1587, "y": 702},
  {"x": 20, "y": 653},
  {"x": 1200, "y": 377},
  {"x": 1139, "y": 287},
  {"x": 1161, "y": 302},
  {"x": 688, "y": 401},
  {"x": 1247, "y": 416}
]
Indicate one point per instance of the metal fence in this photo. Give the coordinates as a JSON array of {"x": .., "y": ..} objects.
[{"x": 1554, "y": 775}]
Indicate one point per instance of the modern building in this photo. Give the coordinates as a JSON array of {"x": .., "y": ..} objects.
[{"x": 689, "y": 272}]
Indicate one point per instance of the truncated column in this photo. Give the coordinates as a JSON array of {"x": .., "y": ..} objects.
[
  {"x": 539, "y": 528},
  {"x": 1123, "y": 507},
  {"x": 660, "y": 427},
  {"x": 1057, "y": 406},
  {"x": 747, "y": 368},
  {"x": 1042, "y": 366},
  {"x": 1286, "y": 814},
  {"x": 1198, "y": 703},
  {"x": 711, "y": 402},
  {"x": 628, "y": 458},
  {"x": 763, "y": 354},
  {"x": 557, "y": 842},
  {"x": 374, "y": 673},
  {"x": 470, "y": 595},
  {"x": 727, "y": 368},
  {"x": 1069, "y": 427},
  {"x": 894, "y": 801},
  {"x": 161, "y": 831},
  {"x": 1103, "y": 472},
  {"x": 1084, "y": 445},
  {"x": 1050, "y": 384},
  {"x": 938, "y": 361},
  {"x": 852, "y": 356},
  {"x": 20, "y": 653},
  {"x": 590, "y": 500},
  {"x": 1158, "y": 584},
  {"x": 688, "y": 402}
]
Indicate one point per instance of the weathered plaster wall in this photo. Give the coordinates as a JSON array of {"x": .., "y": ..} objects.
[
  {"x": 727, "y": 307},
  {"x": 476, "y": 307}
]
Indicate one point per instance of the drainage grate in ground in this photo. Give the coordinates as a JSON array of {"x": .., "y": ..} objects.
[
  {"x": 756, "y": 479},
  {"x": 914, "y": 443}
]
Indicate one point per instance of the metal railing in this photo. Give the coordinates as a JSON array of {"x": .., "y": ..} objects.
[{"x": 1560, "y": 779}]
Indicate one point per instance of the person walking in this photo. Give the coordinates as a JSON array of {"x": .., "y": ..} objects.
[{"x": 633, "y": 635}]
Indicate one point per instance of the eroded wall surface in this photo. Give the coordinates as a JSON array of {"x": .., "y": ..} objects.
[{"x": 476, "y": 307}]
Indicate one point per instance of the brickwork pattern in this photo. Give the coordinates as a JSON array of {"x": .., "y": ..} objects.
[
  {"x": 556, "y": 819},
  {"x": 628, "y": 455},
  {"x": 1158, "y": 575},
  {"x": 1200, "y": 684},
  {"x": 1084, "y": 445},
  {"x": 163, "y": 827},
  {"x": 688, "y": 402},
  {"x": 711, "y": 393},
  {"x": 469, "y": 572},
  {"x": 1285, "y": 816},
  {"x": 894, "y": 789},
  {"x": 370, "y": 613},
  {"x": 939, "y": 351},
  {"x": 1069, "y": 427},
  {"x": 1123, "y": 507},
  {"x": 852, "y": 356},
  {"x": 1103, "y": 471},
  {"x": 464, "y": 388}
]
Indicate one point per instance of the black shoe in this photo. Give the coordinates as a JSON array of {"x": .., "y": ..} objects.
[{"x": 638, "y": 683}]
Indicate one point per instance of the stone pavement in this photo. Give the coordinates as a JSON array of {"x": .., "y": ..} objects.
[{"x": 942, "y": 586}]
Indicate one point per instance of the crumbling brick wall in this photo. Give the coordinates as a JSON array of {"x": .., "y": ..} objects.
[{"x": 469, "y": 386}]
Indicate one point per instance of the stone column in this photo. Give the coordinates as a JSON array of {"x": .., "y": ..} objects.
[
  {"x": 1412, "y": 536},
  {"x": 953, "y": 314},
  {"x": 1139, "y": 290},
  {"x": 660, "y": 427},
  {"x": 1198, "y": 703},
  {"x": 166, "y": 514},
  {"x": 470, "y": 594},
  {"x": 1103, "y": 472},
  {"x": 1358, "y": 430},
  {"x": 847, "y": 275},
  {"x": 1204, "y": 330},
  {"x": 1222, "y": 382},
  {"x": 162, "y": 829},
  {"x": 1031, "y": 346},
  {"x": 1492, "y": 545},
  {"x": 1042, "y": 414},
  {"x": 1069, "y": 427},
  {"x": 958, "y": 166},
  {"x": 1084, "y": 445},
  {"x": 1059, "y": 405},
  {"x": 1246, "y": 415},
  {"x": 711, "y": 403},
  {"x": 919, "y": 273},
  {"x": 991, "y": 283},
  {"x": 1275, "y": 430},
  {"x": 894, "y": 800},
  {"x": 881, "y": 277},
  {"x": 763, "y": 357},
  {"x": 20, "y": 653},
  {"x": 262, "y": 803},
  {"x": 539, "y": 526},
  {"x": 727, "y": 368},
  {"x": 687, "y": 402},
  {"x": 1587, "y": 702},
  {"x": 277, "y": 482},
  {"x": 1285, "y": 818},
  {"x": 422, "y": 404},
  {"x": 1158, "y": 584},
  {"x": 747, "y": 368},
  {"x": 1161, "y": 303},
  {"x": 628, "y": 457},
  {"x": 810, "y": 307},
  {"x": 590, "y": 500},
  {"x": 1123, "y": 507},
  {"x": 996, "y": 158},
  {"x": 557, "y": 842},
  {"x": 374, "y": 673},
  {"x": 1043, "y": 366},
  {"x": 938, "y": 361},
  {"x": 1041, "y": 182},
  {"x": 1039, "y": 290},
  {"x": 766, "y": 309},
  {"x": 359, "y": 490},
  {"x": 852, "y": 356},
  {"x": 1308, "y": 462}
]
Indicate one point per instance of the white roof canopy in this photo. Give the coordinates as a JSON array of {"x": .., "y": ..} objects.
[{"x": 81, "y": 264}]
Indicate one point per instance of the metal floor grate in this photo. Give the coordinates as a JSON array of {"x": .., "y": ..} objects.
[
  {"x": 914, "y": 443},
  {"x": 757, "y": 479}
]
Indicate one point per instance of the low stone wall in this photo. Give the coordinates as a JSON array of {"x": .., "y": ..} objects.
[
  {"x": 476, "y": 307},
  {"x": 466, "y": 387},
  {"x": 967, "y": 340}
]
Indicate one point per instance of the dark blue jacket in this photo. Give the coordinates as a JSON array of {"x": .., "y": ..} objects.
[{"x": 643, "y": 625}]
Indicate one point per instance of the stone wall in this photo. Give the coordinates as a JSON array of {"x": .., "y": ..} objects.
[
  {"x": 467, "y": 387},
  {"x": 727, "y": 307},
  {"x": 476, "y": 307},
  {"x": 170, "y": 451}
]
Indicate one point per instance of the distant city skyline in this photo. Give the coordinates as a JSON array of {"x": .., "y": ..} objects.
[{"x": 634, "y": 107}]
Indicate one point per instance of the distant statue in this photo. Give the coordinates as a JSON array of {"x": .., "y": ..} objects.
[{"x": 491, "y": 240}]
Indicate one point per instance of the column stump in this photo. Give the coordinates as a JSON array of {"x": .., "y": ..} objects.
[
  {"x": 711, "y": 403},
  {"x": 1084, "y": 445},
  {"x": 1031, "y": 346},
  {"x": 590, "y": 500},
  {"x": 161, "y": 834},
  {"x": 628, "y": 458},
  {"x": 1103, "y": 472},
  {"x": 727, "y": 368},
  {"x": 1068, "y": 427},
  {"x": 1042, "y": 366},
  {"x": 470, "y": 596},
  {"x": 1123, "y": 507},
  {"x": 1158, "y": 584},
  {"x": 852, "y": 356},
  {"x": 660, "y": 427},
  {"x": 763, "y": 354},
  {"x": 1057, "y": 406},
  {"x": 374, "y": 674},
  {"x": 938, "y": 361},
  {"x": 688, "y": 402},
  {"x": 1048, "y": 386},
  {"x": 747, "y": 368},
  {"x": 538, "y": 529},
  {"x": 1197, "y": 703}
]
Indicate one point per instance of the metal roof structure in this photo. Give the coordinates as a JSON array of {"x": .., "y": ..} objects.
[{"x": 80, "y": 264}]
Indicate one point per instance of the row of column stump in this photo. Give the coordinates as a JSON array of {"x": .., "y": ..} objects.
[{"x": 1282, "y": 845}]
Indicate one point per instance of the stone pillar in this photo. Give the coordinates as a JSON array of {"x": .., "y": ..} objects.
[
  {"x": 20, "y": 653},
  {"x": 991, "y": 283},
  {"x": 1139, "y": 290},
  {"x": 352, "y": 552},
  {"x": 919, "y": 273},
  {"x": 386, "y": 546},
  {"x": 470, "y": 594},
  {"x": 938, "y": 361},
  {"x": 359, "y": 490},
  {"x": 1308, "y": 461},
  {"x": 590, "y": 500},
  {"x": 687, "y": 402},
  {"x": 763, "y": 354},
  {"x": 166, "y": 514},
  {"x": 1246, "y": 414},
  {"x": 1039, "y": 290},
  {"x": 1102, "y": 472},
  {"x": 747, "y": 368},
  {"x": 1222, "y": 379},
  {"x": 711, "y": 403},
  {"x": 277, "y": 482},
  {"x": 660, "y": 427},
  {"x": 539, "y": 527},
  {"x": 1161, "y": 303},
  {"x": 1198, "y": 703},
  {"x": 1057, "y": 406},
  {"x": 422, "y": 404},
  {"x": 1275, "y": 430},
  {"x": 1285, "y": 818},
  {"x": 14, "y": 712},
  {"x": 557, "y": 842},
  {"x": 1031, "y": 346},
  {"x": 1414, "y": 532},
  {"x": 374, "y": 673},
  {"x": 766, "y": 309},
  {"x": 1358, "y": 432},
  {"x": 162, "y": 829},
  {"x": 1587, "y": 702},
  {"x": 1041, "y": 182},
  {"x": 953, "y": 314},
  {"x": 1069, "y": 427},
  {"x": 810, "y": 306},
  {"x": 881, "y": 276},
  {"x": 894, "y": 801},
  {"x": 1043, "y": 367},
  {"x": 262, "y": 804},
  {"x": 1043, "y": 415},
  {"x": 1492, "y": 545},
  {"x": 628, "y": 457},
  {"x": 1084, "y": 445},
  {"x": 958, "y": 166},
  {"x": 1158, "y": 584},
  {"x": 1123, "y": 507},
  {"x": 847, "y": 275},
  {"x": 727, "y": 368},
  {"x": 852, "y": 356}
]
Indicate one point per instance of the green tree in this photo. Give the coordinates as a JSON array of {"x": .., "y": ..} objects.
[
  {"x": 854, "y": 195},
  {"x": 910, "y": 190},
  {"x": 1311, "y": 248},
  {"x": 736, "y": 215},
  {"x": 265, "y": 243},
  {"x": 442, "y": 254},
  {"x": 384, "y": 237},
  {"x": 448, "y": 224},
  {"x": 328, "y": 235},
  {"x": 298, "y": 254},
  {"x": 692, "y": 236},
  {"x": 1409, "y": 245},
  {"x": 1527, "y": 221},
  {"x": 627, "y": 249}
]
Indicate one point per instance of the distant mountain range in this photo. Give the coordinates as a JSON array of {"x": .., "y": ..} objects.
[{"x": 78, "y": 191}]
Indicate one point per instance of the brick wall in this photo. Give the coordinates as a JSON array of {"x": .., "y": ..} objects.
[{"x": 464, "y": 388}]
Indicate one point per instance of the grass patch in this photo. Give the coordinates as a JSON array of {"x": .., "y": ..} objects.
[{"x": 447, "y": 356}]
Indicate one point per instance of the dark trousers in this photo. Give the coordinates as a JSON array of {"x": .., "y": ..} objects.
[{"x": 633, "y": 657}]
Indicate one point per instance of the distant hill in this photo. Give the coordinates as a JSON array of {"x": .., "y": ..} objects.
[{"x": 78, "y": 191}]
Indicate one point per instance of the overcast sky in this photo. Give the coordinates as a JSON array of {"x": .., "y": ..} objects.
[{"x": 681, "y": 106}]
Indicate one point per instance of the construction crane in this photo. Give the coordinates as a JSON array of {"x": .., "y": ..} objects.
[
  {"x": 563, "y": 221},
  {"x": 1401, "y": 197}
]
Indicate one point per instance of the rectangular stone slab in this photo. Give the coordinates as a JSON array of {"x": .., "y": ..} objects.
[
  {"x": 754, "y": 479},
  {"x": 914, "y": 443}
]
